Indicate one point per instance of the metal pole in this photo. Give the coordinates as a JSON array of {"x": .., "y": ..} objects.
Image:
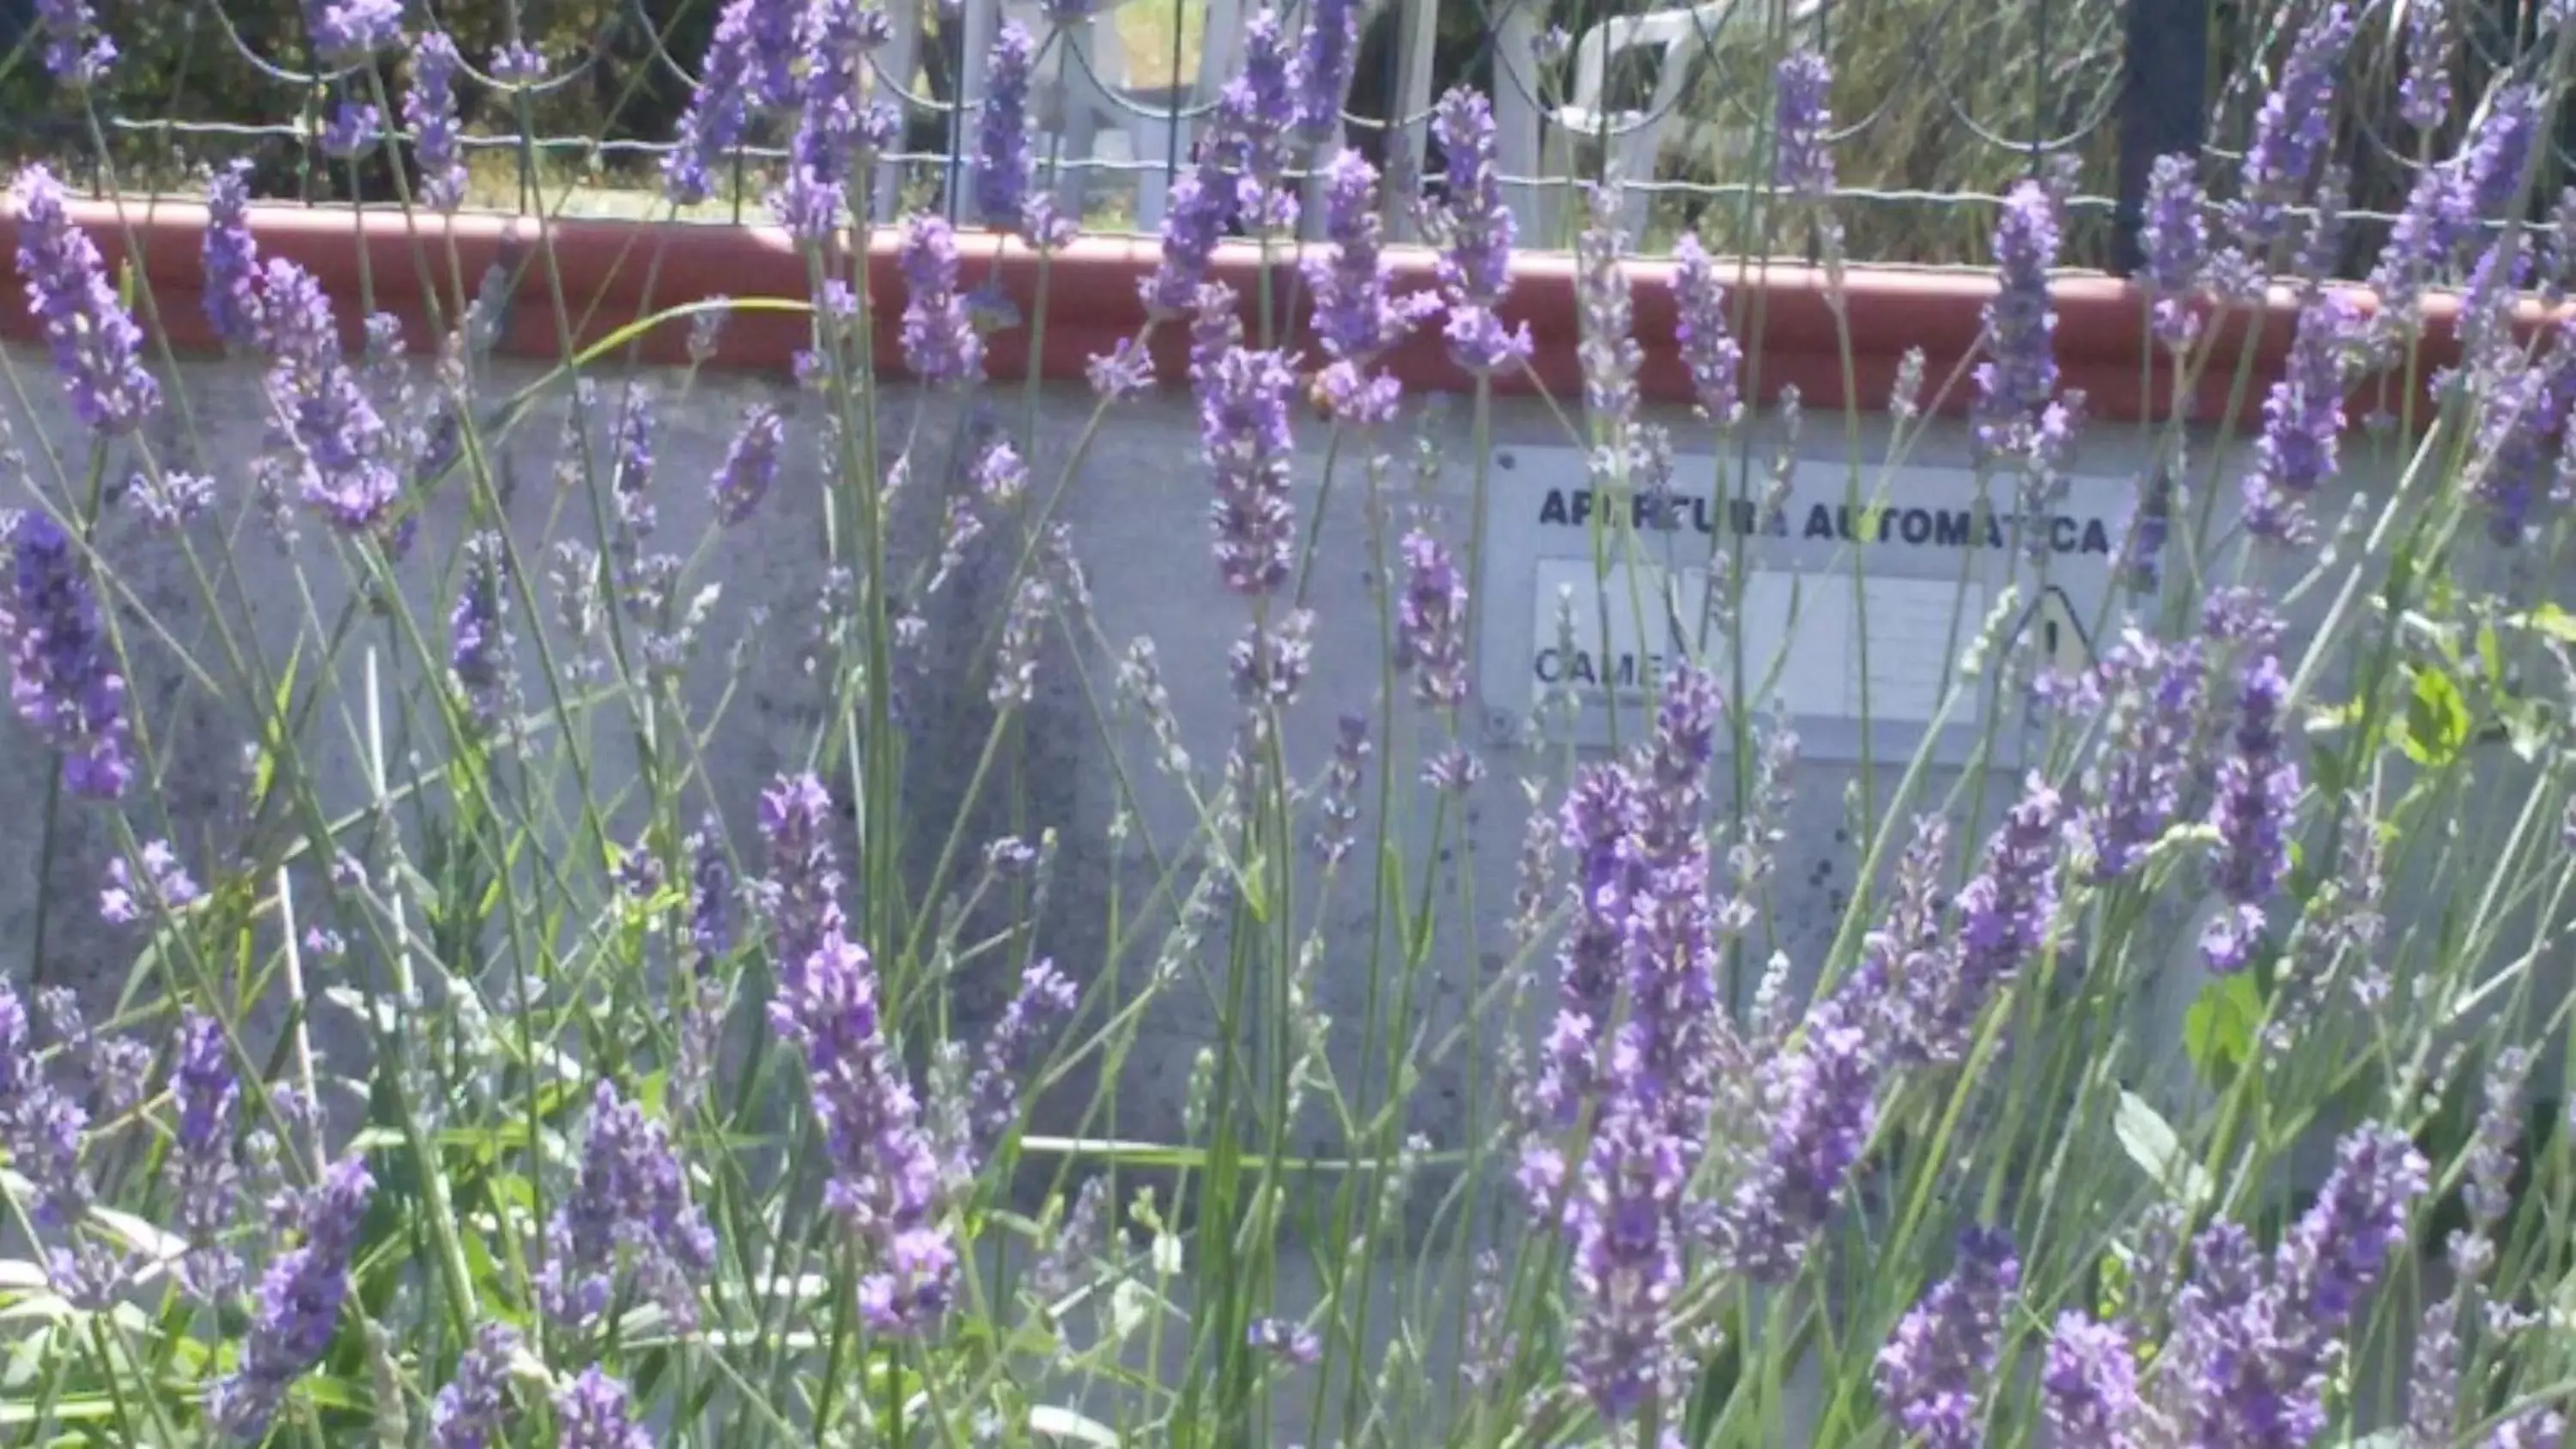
[{"x": 2163, "y": 106}]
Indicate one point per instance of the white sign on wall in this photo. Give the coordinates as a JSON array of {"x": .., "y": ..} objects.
[{"x": 1589, "y": 597}]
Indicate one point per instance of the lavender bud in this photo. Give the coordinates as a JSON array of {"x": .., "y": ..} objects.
[
  {"x": 77, "y": 53},
  {"x": 467, "y": 1414},
  {"x": 64, "y": 678},
  {"x": 1431, "y": 624},
  {"x": 1340, "y": 804},
  {"x": 1932, "y": 1375},
  {"x": 1476, "y": 230},
  {"x": 1244, "y": 435},
  {"x": 231, "y": 260},
  {"x": 299, "y": 1303},
  {"x": 2176, "y": 242},
  {"x": 629, "y": 1208},
  {"x": 164, "y": 888},
  {"x": 429, "y": 111},
  {"x": 350, "y": 32},
  {"x": 2257, "y": 787},
  {"x": 750, "y": 465},
  {"x": 1355, "y": 317},
  {"x": 593, "y": 1412},
  {"x": 352, "y": 130},
  {"x": 1708, "y": 348},
  {"x": 97, "y": 349},
  {"x": 2019, "y": 378},
  {"x": 2291, "y": 133},
  {"x": 940, "y": 343},
  {"x": 478, "y": 634},
  {"x": 1804, "y": 165},
  {"x": 1002, "y": 131}
]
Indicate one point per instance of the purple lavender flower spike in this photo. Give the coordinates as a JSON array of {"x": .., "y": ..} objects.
[
  {"x": 163, "y": 887},
  {"x": 77, "y": 52},
  {"x": 1431, "y": 623},
  {"x": 299, "y": 1304},
  {"x": 468, "y": 1410},
  {"x": 940, "y": 343},
  {"x": 1243, "y": 431},
  {"x": 340, "y": 448},
  {"x": 1257, "y": 110},
  {"x": 347, "y": 32},
  {"x": 1598, "y": 822},
  {"x": 1804, "y": 165},
  {"x": 1002, "y": 131},
  {"x": 1932, "y": 1375},
  {"x": 1625, "y": 1264},
  {"x": 750, "y": 465},
  {"x": 885, "y": 1175},
  {"x": 1708, "y": 347},
  {"x": 1355, "y": 317},
  {"x": 593, "y": 1412},
  {"x": 1329, "y": 51},
  {"x": 206, "y": 1094},
  {"x": 2292, "y": 132},
  {"x": 2257, "y": 787},
  {"x": 1286, "y": 1341},
  {"x": 2089, "y": 1384},
  {"x": 1194, "y": 221},
  {"x": 1046, "y": 995},
  {"x": 2424, "y": 95},
  {"x": 478, "y": 651},
  {"x": 2425, "y": 241},
  {"x": 232, "y": 260},
  {"x": 519, "y": 64},
  {"x": 1608, "y": 354},
  {"x": 353, "y": 129},
  {"x": 1340, "y": 804},
  {"x": 719, "y": 106},
  {"x": 2494, "y": 166},
  {"x": 710, "y": 894},
  {"x": 834, "y": 40},
  {"x": 429, "y": 112},
  {"x": 2338, "y": 1251},
  {"x": 1820, "y": 1106},
  {"x": 2005, "y": 913},
  {"x": 2175, "y": 239},
  {"x": 801, "y": 896},
  {"x": 63, "y": 674},
  {"x": 97, "y": 349},
  {"x": 2018, "y": 379},
  {"x": 2249, "y": 1357},
  {"x": 2303, "y": 418},
  {"x": 1476, "y": 231},
  {"x": 2156, "y": 691},
  {"x": 630, "y": 1206}
]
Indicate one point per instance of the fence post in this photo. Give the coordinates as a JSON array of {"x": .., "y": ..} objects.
[{"x": 2163, "y": 106}]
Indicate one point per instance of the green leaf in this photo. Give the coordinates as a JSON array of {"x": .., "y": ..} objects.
[
  {"x": 2491, "y": 654},
  {"x": 2218, "y": 1031},
  {"x": 2327, "y": 765},
  {"x": 2151, "y": 1143},
  {"x": 2437, "y": 720},
  {"x": 2551, "y": 621}
]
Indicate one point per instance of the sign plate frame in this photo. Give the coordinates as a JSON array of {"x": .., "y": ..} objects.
[{"x": 1938, "y": 545}]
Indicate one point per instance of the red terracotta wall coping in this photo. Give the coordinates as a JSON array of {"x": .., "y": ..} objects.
[{"x": 612, "y": 272}]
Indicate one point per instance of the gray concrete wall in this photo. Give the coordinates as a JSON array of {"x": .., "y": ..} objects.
[{"x": 1137, "y": 510}]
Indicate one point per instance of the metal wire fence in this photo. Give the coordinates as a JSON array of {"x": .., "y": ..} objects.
[{"x": 1939, "y": 105}]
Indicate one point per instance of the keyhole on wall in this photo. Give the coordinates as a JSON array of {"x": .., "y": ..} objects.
[{"x": 2049, "y": 638}]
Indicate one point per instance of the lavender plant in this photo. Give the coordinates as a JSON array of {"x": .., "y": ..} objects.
[{"x": 614, "y": 911}]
